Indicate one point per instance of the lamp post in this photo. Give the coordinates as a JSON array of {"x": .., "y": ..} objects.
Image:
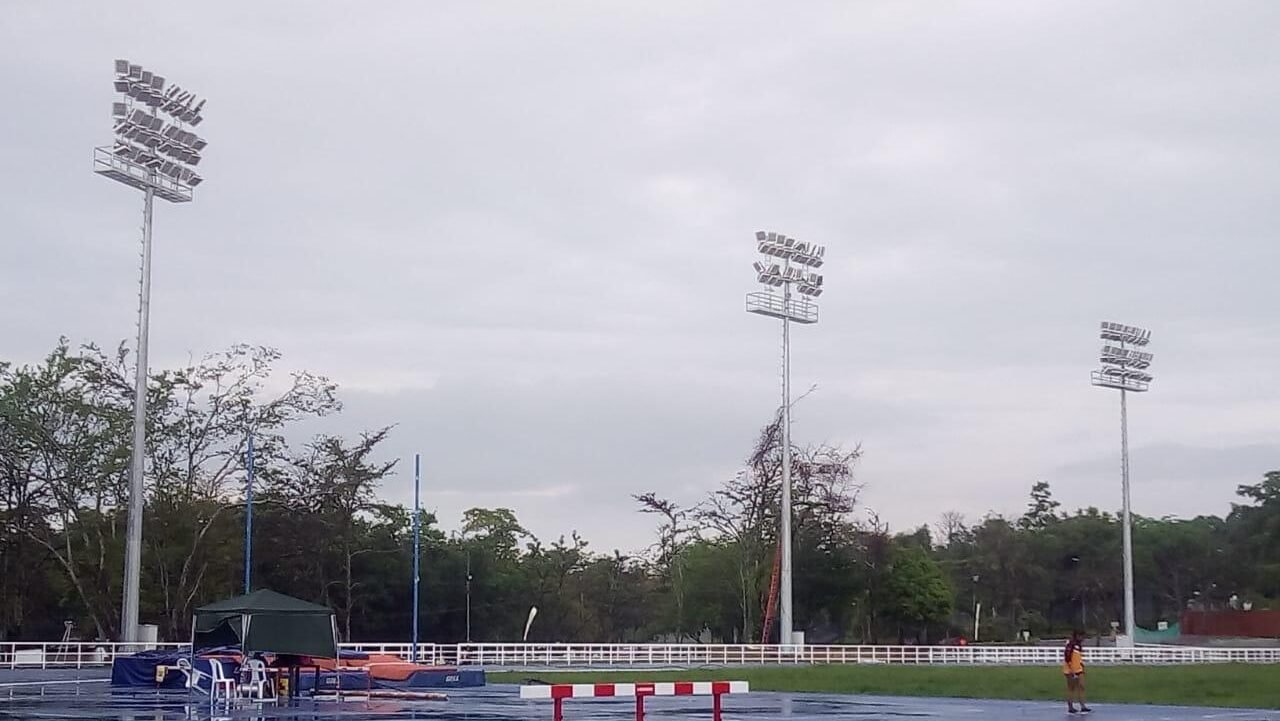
[
  {"x": 1084, "y": 623},
  {"x": 468, "y": 594},
  {"x": 976, "y": 608},
  {"x": 788, "y": 263},
  {"x": 1125, "y": 370},
  {"x": 156, "y": 156}
]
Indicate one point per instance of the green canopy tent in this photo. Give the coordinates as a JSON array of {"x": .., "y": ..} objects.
[{"x": 269, "y": 622}]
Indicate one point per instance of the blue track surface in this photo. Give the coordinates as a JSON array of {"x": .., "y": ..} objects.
[{"x": 502, "y": 703}]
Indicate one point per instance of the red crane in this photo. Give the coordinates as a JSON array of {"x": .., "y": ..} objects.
[{"x": 771, "y": 606}]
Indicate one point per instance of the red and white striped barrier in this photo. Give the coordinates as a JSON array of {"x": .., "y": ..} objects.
[{"x": 561, "y": 691}]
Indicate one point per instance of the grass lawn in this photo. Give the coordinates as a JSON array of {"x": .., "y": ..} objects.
[{"x": 1237, "y": 685}]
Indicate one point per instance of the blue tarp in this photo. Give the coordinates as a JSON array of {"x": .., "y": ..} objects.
[{"x": 139, "y": 670}]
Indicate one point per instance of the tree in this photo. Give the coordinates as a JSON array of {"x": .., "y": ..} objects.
[
  {"x": 673, "y": 534},
  {"x": 952, "y": 529},
  {"x": 745, "y": 512},
  {"x": 916, "y": 594},
  {"x": 501, "y": 589},
  {"x": 203, "y": 415},
  {"x": 66, "y": 469},
  {"x": 338, "y": 482},
  {"x": 1042, "y": 510}
]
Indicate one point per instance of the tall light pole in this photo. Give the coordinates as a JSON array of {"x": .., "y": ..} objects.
[
  {"x": 1125, "y": 370},
  {"x": 248, "y": 519},
  {"x": 417, "y": 549},
  {"x": 787, "y": 263},
  {"x": 156, "y": 156}
]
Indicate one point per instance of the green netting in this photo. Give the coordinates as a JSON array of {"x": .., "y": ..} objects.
[{"x": 1142, "y": 635}]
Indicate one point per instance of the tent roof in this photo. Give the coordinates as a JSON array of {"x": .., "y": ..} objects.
[{"x": 265, "y": 601}]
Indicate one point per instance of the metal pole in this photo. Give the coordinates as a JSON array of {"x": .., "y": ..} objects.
[
  {"x": 976, "y": 608},
  {"x": 248, "y": 519},
  {"x": 417, "y": 474},
  {"x": 1127, "y": 532},
  {"x": 785, "y": 615},
  {"x": 468, "y": 593},
  {"x": 133, "y": 538}
]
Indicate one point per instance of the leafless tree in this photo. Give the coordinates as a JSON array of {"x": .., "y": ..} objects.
[
  {"x": 673, "y": 533},
  {"x": 951, "y": 527}
]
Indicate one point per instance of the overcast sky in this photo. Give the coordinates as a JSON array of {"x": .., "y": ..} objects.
[{"x": 522, "y": 232}]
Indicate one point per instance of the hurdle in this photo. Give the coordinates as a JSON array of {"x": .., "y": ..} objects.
[{"x": 640, "y": 691}]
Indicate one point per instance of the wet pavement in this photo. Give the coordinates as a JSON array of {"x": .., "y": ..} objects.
[{"x": 97, "y": 700}]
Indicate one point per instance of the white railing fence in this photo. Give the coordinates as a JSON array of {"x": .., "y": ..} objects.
[
  {"x": 68, "y": 655},
  {"x": 571, "y": 655}
]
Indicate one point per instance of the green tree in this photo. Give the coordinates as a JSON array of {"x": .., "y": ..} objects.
[
  {"x": 916, "y": 594},
  {"x": 1041, "y": 510}
]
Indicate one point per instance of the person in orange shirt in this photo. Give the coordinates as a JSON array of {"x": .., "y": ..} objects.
[{"x": 1073, "y": 670}]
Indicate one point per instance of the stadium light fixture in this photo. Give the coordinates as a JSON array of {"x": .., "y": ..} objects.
[
  {"x": 1124, "y": 368},
  {"x": 156, "y": 156},
  {"x": 787, "y": 263}
]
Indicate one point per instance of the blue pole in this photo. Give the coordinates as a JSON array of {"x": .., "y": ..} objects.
[
  {"x": 417, "y": 475},
  {"x": 248, "y": 518}
]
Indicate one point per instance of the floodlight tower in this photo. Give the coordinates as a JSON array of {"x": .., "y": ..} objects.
[
  {"x": 788, "y": 263},
  {"x": 1125, "y": 369},
  {"x": 156, "y": 156}
]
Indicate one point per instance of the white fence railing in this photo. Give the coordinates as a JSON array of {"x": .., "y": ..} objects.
[
  {"x": 68, "y": 655},
  {"x": 569, "y": 655}
]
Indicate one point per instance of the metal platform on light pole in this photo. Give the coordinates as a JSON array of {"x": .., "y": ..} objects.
[
  {"x": 138, "y": 176},
  {"x": 798, "y": 310}
]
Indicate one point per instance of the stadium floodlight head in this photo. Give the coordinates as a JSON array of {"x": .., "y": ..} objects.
[
  {"x": 778, "y": 245},
  {"x": 782, "y": 276},
  {"x": 140, "y": 127},
  {"x": 788, "y": 264},
  {"x": 155, "y": 156},
  {"x": 1123, "y": 368},
  {"x": 1127, "y": 334}
]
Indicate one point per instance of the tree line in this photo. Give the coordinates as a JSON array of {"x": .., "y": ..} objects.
[{"x": 323, "y": 532}]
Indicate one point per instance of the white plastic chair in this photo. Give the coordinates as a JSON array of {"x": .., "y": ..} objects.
[
  {"x": 192, "y": 674},
  {"x": 259, "y": 685},
  {"x": 219, "y": 683}
]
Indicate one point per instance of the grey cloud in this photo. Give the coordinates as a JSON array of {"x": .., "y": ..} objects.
[{"x": 455, "y": 206}]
